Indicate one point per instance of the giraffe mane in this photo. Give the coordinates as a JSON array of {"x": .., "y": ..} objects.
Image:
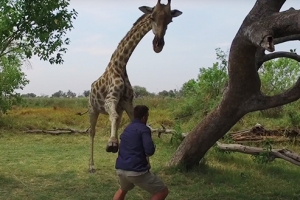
[
  {"x": 134, "y": 27},
  {"x": 140, "y": 19}
]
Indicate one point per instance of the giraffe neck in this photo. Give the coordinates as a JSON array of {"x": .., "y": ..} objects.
[{"x": 127, "y": 45}]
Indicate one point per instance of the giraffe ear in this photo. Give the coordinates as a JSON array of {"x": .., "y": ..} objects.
[
  {"x": 146, "y": 9},
  {"x": 175, "y": 13}
]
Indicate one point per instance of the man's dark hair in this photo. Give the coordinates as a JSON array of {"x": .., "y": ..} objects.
[{"x": 140, "y": 111}]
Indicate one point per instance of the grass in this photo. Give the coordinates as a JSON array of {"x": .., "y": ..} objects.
[{"x": 38, "y": 166}]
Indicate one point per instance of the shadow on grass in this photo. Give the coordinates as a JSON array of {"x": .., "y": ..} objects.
[
  {"x": 278, "y": 168},
  {"x": 8, "y": 185},
  {"x": 232, "y": 177},
  {"x": 64, "y": 185}
]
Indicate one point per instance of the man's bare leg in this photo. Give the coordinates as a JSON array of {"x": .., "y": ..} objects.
[
  {"x": 161, "y": 195},
  {"x": 120, "y": 195}
]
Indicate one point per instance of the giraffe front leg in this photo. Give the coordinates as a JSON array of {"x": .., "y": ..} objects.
[{"x": 113, "y": 143}]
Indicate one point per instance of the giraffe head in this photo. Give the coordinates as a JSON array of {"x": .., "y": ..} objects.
[{"x": 161, "y": 15}]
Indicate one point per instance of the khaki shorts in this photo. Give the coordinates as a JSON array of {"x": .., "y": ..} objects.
[{"x": 147, "y": 181}]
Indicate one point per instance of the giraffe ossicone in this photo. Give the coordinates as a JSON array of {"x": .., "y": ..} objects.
[{"x": 111, "y": 94}]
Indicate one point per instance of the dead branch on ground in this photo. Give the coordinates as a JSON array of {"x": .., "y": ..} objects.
[
  {"x": 162, "y": 130},
  {"x": 258, "y": 134},
  {"x": 58, "y": 131},
  {"x": 284, "y": 154},
  {"x": 80, "y": 114}
]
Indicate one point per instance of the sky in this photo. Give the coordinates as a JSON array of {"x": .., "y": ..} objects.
[{"x": 190, "y": 43}]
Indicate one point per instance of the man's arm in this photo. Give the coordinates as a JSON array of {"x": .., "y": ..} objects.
[{"x": 148, "y": 144}]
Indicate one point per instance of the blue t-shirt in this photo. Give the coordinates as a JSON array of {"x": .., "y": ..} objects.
[{"x": 135, "y": 143}]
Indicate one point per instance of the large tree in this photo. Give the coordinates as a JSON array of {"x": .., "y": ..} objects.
[
  {"x": 263, "y": 28},
  {"x": 27, "y": 28}
]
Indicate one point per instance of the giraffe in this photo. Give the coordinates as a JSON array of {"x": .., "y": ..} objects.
[{"x": 111, "y": 94}]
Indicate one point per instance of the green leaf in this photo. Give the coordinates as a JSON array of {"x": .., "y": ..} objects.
[{"x": 38, "y": 26}]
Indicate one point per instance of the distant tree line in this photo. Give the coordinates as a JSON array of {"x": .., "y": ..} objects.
[
  {"x": 139, "y": 92},
  {"x": 142, "y": 92},
  {"x": 276, "y": 76},
  {"x": 204, "y": 93}
]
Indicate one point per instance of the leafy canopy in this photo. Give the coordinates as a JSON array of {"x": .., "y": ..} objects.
[
  {"x": 203, "y": 94},
  {"x": 37, "y": 27},
  {"x": 279, "y": 75},
  {"x": 27, "y": 28}
]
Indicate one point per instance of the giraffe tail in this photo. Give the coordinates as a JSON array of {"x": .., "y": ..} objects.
[{"x": 80, "y": 114}]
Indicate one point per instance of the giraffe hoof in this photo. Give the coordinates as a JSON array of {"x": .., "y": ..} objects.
[
  {"x": 92, "y": 169},
  {"x": 112, "y": 147}
]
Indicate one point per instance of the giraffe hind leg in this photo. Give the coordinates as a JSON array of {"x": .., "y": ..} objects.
[
  {"x": 93, "y": 121},
  {"x": 128, "y": 107}
]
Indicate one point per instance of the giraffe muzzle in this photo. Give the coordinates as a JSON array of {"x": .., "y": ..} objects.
[{"x": 158, "y": 44}]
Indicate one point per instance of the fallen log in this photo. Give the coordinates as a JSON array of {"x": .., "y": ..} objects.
[
  {"x": 284, "y": 154},
  {"x": 276, "y": 140},
  {"x": 162, "y": 130},
  {"x": 58, "y": 131},
  {"x": 253, "y": 138}
]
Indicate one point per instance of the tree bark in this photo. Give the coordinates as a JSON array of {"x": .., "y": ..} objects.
[{"x": 263, "y": 28}]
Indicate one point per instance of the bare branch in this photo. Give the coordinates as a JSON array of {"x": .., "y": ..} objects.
[
  {"x": 263, "y": 32},
  {"x": 80, "y": 114},
  {"x": 263, "y": 102},
  {"x": 7, "y": 52},
  {"x": 280, "y": 54},
  {"x": 261, "y": 56},
  {"x": 287, "y": 38},
  {"x": 8, "y": 42},
  {"x": 6, "y": 45},
  {"x": 264, "y": 8}
]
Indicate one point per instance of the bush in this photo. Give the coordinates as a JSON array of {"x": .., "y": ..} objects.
[
  {"x": 11, "y": 79},
  {"x": 203, "y": 94}
]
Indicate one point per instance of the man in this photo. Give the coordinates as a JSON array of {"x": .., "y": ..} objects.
[{"x": 132, "y": 164}]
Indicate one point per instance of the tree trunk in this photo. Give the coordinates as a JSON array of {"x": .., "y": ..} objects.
[{"x": 263, "y": 27}]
